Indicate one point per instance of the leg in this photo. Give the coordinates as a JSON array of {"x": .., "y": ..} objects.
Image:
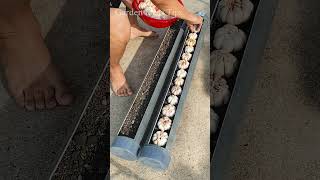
[
  {"x": 136, "y": 30},
  {"x": 119, "y": 38},
  {"x": 32, "y": 79}
]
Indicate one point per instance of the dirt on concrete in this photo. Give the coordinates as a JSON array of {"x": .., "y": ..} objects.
[{"x": 86, "y": 157}]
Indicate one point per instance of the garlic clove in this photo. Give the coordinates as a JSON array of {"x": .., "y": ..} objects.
[
  {"x": 223, "y": 14},
  {"x": 229, "y": 38},
  {"x": 176, "y": 90},
  {"x": 164, "y": 123},
  {"x": 191, "y": 42},
  {"x": 238, "y": 15},
  {"x": 172, "y": 99},
  {"x": 218, "y": 41},
  {"x": 222, "y": 63},
  {"x": 189, "y": 49},
  {"x": 169, "y": 110},
  {"x": 186, "y": 56},
  {"x": 234, "y": 11},
  {"x": 160, "y": 138},
  {"x": 230, "y": 18},
  {"x": 183, "y": 64},
  {"x": 220, "y": 93},
  {"x": 178, "y": 81},
  {"x": 181, "y": 73},
  {"x": 193, "y": 36}
]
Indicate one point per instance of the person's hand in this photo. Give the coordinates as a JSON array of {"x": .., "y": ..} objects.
[{"x": 195, "y": 23}]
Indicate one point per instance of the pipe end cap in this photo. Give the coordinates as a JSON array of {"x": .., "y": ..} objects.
[
  {"x": 125, "y": 148},
  {"x": 155, "y": 157}
]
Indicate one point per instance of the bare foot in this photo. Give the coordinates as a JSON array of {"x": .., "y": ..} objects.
[
  {"x": 119, "y": 83},
  {"x": 34, "y": 88},
  {"x": 32, "y": 80}
]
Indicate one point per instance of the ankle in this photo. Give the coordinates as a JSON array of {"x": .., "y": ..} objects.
[{"x": 115, "y": 67}]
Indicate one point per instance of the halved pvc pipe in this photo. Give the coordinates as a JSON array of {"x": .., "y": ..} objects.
[
  {"x": 127, "y": 147},
  {"x": 153, "y": 155}
]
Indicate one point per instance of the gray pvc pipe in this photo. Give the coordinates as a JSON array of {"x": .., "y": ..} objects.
[
  {"x": 126, "y": 147},
  {"x": 153, "y": 155}
]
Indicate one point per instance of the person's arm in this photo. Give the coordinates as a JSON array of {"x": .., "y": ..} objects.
[{"x": 174, "y": 8}]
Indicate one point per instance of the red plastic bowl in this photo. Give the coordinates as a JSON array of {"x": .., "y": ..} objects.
[{"x": 157, "y": 23}]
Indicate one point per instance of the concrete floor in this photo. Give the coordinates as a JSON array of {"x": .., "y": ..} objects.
[
  {"x": 279, "y": 136},
  {"x": 190, "y": 155}
]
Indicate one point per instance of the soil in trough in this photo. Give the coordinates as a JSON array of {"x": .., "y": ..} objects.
[
  {"x": 135, "y": 115},
  {"x": 86, "y": 156},
  {"x": 246, "y": 27}
]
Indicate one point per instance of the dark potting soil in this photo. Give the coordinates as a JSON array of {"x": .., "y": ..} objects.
[
  {"x": 87, "y": 156},
  {"x": 135, "y": 115},
  {"x": 246, "y": 27}
]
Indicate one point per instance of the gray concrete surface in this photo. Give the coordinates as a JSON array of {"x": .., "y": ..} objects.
[
  {"x": 190, "y": 155},
  {"x": 30, "y": 142},
  {"x": 278, "y": 139}
]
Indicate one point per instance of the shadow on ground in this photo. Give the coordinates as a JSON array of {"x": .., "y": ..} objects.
[
  {"x": 32, "y": 141},
  {"x": 307, "y": 45},
  {"x": 123, "y": 172}
]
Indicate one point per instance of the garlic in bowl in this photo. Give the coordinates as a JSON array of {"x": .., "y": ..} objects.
[
  {"x": 222, "y": 63},
  {"x": 152, "y": 11},
  {"x": 229, "y": 38},
  {"x": 151, "y": 15},
  {"x": 234, "y": 11}
]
